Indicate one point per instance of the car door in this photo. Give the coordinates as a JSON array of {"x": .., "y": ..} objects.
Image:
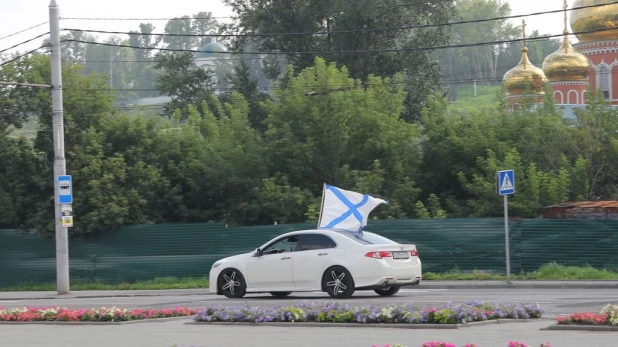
[
  {"x": 273, "y": 269},
  {"x": 310, "y": 260}
]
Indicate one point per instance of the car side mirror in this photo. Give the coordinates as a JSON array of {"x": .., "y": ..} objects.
[{"x": 258, "y": 252}]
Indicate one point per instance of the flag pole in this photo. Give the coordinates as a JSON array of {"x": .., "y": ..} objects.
[{"x": 321, "y": 205}]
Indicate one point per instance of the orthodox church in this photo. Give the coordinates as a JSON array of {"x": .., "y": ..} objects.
[{"x": 570, "y": 70}]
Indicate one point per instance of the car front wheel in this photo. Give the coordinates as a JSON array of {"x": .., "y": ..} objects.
[
  {"x": 387, "y": 291},
  {"x": 338, "y": 282},
  {"x": 232, "y": 283}
]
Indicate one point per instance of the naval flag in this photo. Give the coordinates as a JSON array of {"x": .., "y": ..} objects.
[{"x": 345, "y": 210}]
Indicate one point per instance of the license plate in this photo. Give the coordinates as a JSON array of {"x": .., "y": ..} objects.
[{"x": 401, "y": 255}]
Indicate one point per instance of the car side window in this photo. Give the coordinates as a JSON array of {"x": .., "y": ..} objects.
[
  {"x": 286, "y": 244},
  {"x": 315, "y": 241}
]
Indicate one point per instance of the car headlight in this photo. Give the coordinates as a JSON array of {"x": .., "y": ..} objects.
[{"x": 215, "y": 265}]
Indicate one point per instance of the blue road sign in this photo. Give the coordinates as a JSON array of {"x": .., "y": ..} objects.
[
  {"x": 65, "y": 189},
  {"x": 506, "y": 182}
]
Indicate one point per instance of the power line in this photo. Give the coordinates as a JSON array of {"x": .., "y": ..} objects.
[
  {"x": 390, "y": 50},
  {"x": 445, "y": 83},
  {"x": 19, "y": 32},
  {"x": 23, "y": 43},
  {"x": 131, "y": 19},
  {"x": 423, "y": 26},
  {"x": 21, "y": 56},
  {"x": 20, "y": 84},
  {"x": 362, "y": 30},
  {"x": 151, "y": 61}
]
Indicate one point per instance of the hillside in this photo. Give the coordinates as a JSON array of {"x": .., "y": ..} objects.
[{"x": 487, "y": 98}]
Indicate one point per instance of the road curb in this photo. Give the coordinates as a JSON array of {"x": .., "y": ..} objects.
[
  {"x": 516, "y": 285},
  {"x": 580, "y": 327},
  {"x": 368, "y": 325},
  {"x": 155, "y": 320}
]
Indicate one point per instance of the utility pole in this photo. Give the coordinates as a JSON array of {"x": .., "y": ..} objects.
[{"x": 62, "y": 241}]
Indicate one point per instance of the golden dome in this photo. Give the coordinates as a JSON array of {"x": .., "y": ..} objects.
[
  {"x": 595, "y": 18},
  {"x": 566, "y": 64},
  {"x": 524, "y": 75}
]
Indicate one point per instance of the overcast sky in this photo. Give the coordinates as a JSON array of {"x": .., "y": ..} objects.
[{"x": 21, "y": 14}]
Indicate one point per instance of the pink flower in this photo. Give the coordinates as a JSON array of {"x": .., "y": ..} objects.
[{"x": 438, "y": 344}]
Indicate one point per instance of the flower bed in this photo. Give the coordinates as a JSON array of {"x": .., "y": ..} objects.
[
  {"x": 339, "y": 313},
  {"x": 58, "y": 314},
  {"x": 607, "y": 316},
  {"x": 438, "y": 344},
  {"x": 447, "y": 344}
]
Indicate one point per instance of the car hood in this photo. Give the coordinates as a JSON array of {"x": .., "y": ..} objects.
[{"x": 235, "y": 257}]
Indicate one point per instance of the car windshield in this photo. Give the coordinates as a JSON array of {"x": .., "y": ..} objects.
[{"x": 367, "y": 238}]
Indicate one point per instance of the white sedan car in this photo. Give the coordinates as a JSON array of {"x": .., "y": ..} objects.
[{"x": 335, "y": 262}]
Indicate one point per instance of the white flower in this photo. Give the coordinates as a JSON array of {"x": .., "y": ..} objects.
[{"x": 387, "y": 312}]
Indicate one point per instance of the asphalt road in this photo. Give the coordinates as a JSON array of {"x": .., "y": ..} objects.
[{"x": 556, "y": 301}]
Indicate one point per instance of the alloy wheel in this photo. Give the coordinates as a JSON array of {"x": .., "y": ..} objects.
[
  {"x": 232, "y": 284},
  {"x": 338, "y": 283}
]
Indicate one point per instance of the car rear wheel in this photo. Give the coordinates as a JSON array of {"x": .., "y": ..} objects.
[
  {"x": 338, "y": 282},
  {"x": 232, "y": 283},
  {"x": 280, "y": 295},
  {"x": 387, "y": 291}
]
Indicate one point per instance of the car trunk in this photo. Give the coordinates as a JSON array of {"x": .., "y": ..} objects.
[{"x": 395, "y": 255}]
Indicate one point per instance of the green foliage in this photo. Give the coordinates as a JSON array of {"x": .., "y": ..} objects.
[
  {"x": 208, "y": 162},
  {"x": 421, "y": 72},
  {"x": 555, "y": 271},
  {"x": 282, "y": 203},
  {"x": 159, "y": 283},
  {"x": 313, "y": 213},
  {"x": 548, "y": 272},
  {"x": 179, "y": 77},
  {"x": 421, "y": 211},
  {"x": 351, "y": 137}
]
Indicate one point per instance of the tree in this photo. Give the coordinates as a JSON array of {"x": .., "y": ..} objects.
[
  {"x": 312, "y": 16},
  {"x": 595, "y": 132},
  {"x": 214, "y": 160},
  {"x": 17, "y": 103},
  {"x": 20, "y": 182},
  {"x": 186, "y": 83},
  {"x": 536, "y": 188},
  {"x": 349, "y": 136},
  {"x": 243, "y": 81},
  {"x": 485, "y": 64},
  {"x": 204, "y": 24},
  {"x": 452, "y": 143},
  {"x": 180, "y": 26}
]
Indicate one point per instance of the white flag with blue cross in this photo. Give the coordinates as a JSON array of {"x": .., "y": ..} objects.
[{"x": 345, "y": 210}]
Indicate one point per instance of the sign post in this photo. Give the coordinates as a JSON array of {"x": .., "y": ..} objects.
[{"x": 505, "y": 183}]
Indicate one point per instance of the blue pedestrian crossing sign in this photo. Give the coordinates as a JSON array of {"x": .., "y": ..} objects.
[
  {"x": 65, "y": 189},
  {"x": 505, "y": 181}
]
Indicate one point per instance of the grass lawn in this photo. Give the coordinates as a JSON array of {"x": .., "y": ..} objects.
[
  {"x": 550, "y": 271},
  {"x": 154, "y": 284},
  {"x": 467, "y": 103}
]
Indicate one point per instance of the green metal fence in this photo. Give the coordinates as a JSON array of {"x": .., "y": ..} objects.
[{"x": 181, "y": 250}]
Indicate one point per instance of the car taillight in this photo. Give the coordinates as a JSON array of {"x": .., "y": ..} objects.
[
  {"x": 414, "y": 253},
  {"x": 379, "y": 255}
]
